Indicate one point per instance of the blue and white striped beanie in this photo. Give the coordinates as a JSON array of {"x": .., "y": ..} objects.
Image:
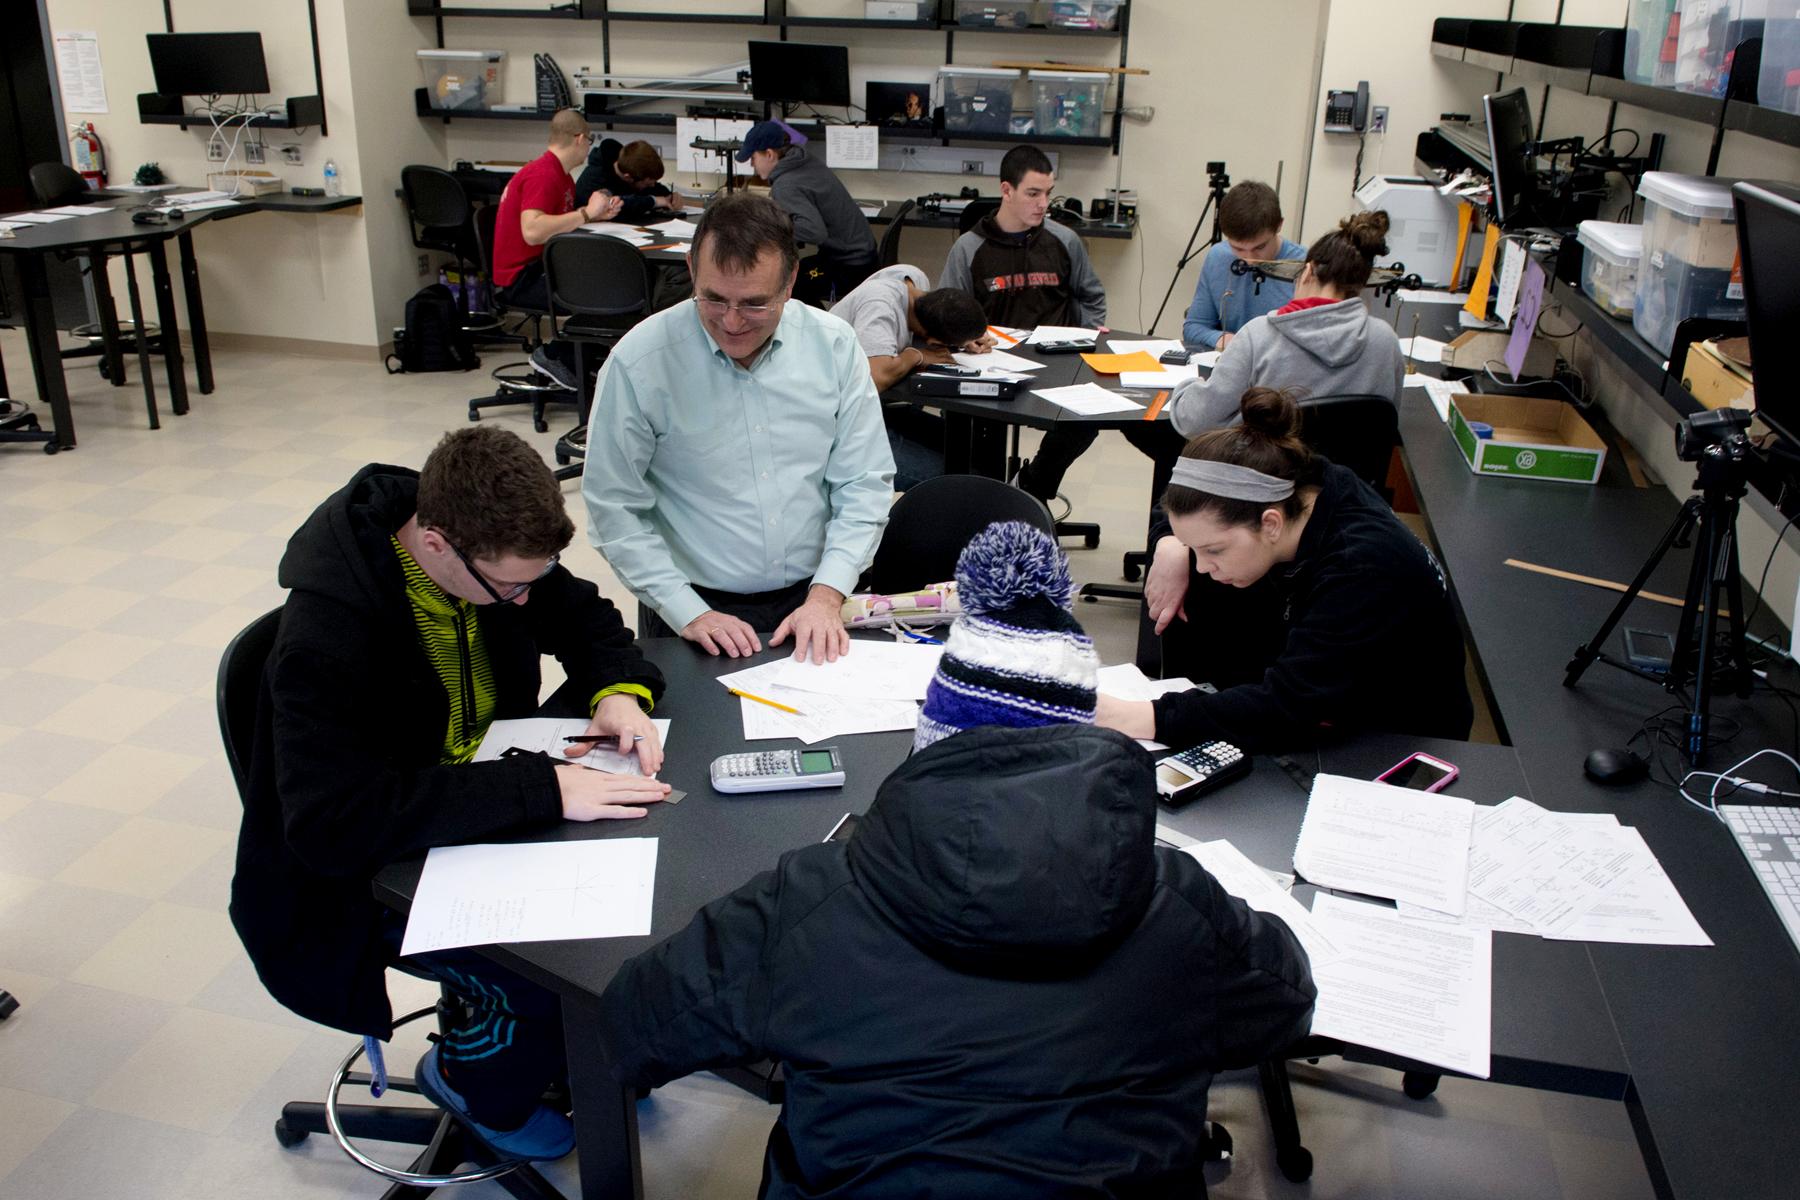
[{"x": 1016, "y": 656}]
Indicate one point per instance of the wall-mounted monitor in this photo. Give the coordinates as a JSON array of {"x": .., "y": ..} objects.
[
  {"x": 208, "y": 64},
  {"x": 795, "y": 73}
]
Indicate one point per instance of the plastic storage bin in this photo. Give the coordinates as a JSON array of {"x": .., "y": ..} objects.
[
  {"x": 462, "y": 79},
  {"x": 1651, "y": 35},
  {"x": 1690, "y": 248},
  {"x": 899, "y": 10},
  {"x": 1067, "y": 102},
  {"x": 1609, "y": 267},
  {"x": 1001, "y": 14},
  {"x": 977, "y": 99},
  {"x": 1779, "y": 84},
  {"x": 1084, "y": 14},
  {"x": 1710, "y": 33}
]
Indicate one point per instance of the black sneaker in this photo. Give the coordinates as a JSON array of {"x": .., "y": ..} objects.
[{"x": 547, "y": 364}]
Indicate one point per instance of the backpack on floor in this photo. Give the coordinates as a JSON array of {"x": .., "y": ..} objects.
[{"x": 434, "y": 339}]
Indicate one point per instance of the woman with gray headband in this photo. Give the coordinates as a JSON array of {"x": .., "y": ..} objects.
[{"x": 1287, "y": 583}]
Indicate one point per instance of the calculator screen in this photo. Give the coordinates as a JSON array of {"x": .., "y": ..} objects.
[
  {"x": 814, "y": 762},
  {"x": 1171, "y": 776}
]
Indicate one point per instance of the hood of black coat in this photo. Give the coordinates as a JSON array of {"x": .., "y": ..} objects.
[
  {"x": 331, "y": 553},
  {"x": 1009, "y": 852}
]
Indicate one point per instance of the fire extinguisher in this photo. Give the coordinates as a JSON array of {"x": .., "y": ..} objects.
[{"x": 90, "y": 156}]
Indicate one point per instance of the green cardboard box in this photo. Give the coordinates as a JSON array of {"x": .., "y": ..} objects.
[{"x": 1533, "y": 438}]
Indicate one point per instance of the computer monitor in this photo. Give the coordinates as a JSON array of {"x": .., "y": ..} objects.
[
  {"x": 793, "y": 73},
  {"x": 1768, "y": 230},
  {"x": 1509, "y": 149},
  {"x": 208, "y": 64}
]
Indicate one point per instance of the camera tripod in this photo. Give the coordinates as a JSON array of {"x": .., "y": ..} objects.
[
  {"x": 1713, "y": 578},
  {"x": 1217, "y": 184}
]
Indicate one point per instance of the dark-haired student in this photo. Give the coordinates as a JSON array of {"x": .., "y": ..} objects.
[
  {"x": 1289, "y": 584},
  {"x": 420, "y": 605},
  {"x": 902, "y": 326},
  {"x": 1250, "y": 218},
  {"x": 633, "y": 172},
  {"x": 1322, "y": 343}
]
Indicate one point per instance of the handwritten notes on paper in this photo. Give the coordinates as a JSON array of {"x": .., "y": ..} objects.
[
  {"x": 818, "y": 716},
  {"x": 1386, "y": 841},
  {"x": 1088, "y": 399}
]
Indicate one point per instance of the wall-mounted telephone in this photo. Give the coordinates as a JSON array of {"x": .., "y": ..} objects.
[{"x": 1347, "y": 112}]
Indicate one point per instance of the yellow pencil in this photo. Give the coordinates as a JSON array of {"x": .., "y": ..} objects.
[{"x": 770, "y": 703}]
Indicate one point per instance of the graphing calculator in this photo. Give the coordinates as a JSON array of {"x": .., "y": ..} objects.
[
  {"x": 778, "y": 770},
  {"x": 1185, "y": 777},
  {"x": 1065, "y": 346}
]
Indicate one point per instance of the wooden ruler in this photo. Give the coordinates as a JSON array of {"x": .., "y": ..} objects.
[{"x": 1608, "y": 584}]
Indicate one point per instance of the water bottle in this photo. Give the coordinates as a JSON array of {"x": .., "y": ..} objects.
[{"x": 334, "y": 186}]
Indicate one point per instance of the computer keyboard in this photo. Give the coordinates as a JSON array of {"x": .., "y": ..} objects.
[{"x": 1770, "y": 839}]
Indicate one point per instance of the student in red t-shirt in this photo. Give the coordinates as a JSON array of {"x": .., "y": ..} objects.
[{"x": 537, "y": 205}]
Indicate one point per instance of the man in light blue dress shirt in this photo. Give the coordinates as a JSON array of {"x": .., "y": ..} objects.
[{"x": 738, "y": 474}]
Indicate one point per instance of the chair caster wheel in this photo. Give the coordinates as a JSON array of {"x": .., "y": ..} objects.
[
  {"x": 541, "y": 426},
  {"x": 104, "y": 373},
  {"x": 1418, "y": 1085},
  {"x": 1132, "y": 574},
  {"x": 1091, "y": 541},
  {"x": 1296, "y": 1165},
  {"x": 51, "y": 447},
  {"x": 287, "y": 1135},
  {"x": 474, "y": 413},
  {"x": 8, "y": 1005}
]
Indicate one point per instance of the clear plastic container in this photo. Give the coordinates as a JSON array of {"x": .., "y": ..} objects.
[
  {"x": 1068, "y": 103},
  {"x": 462, "y": 79},
  {"x": 1690, "y": 249},
  {"x": 1084, "y": 14},
  {"x": 1651, "y": 33},
  {"x": 1609, "y": 268},
  {"x": 977, "y": 99},
  {"x": 898, "y": 10},
  {"x": 1000, "y": 14},
  {"x": 1710, "y": 33},
  {"x": 1779, "y": 84}
]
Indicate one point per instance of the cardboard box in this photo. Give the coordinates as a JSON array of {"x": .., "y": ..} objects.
[
  {"x": 1477, "y": 348},
  {"x": 1533, "y": 438},
  {"x": 243, "y": 183},
  {"x": 1715, "y": 381}
]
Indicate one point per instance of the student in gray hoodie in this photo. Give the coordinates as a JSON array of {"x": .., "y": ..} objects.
[
  {"x": 1324, "y": 343},
  {"x": 824, "y": 214}
]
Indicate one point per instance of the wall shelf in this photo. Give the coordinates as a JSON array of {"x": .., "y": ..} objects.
[
  {"x": 1770, "y": 124},
  {"x": 303, "y": 112}
]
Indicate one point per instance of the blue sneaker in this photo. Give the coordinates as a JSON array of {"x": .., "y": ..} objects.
[{"x": 546, "y": 1135}]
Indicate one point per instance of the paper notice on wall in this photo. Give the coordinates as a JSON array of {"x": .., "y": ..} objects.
[
  {"x": 853, "y": 147},
  {"x": 78, "y": 71}
]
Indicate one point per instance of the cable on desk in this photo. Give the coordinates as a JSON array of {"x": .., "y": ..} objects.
[{"x": 1728, "y": 776}]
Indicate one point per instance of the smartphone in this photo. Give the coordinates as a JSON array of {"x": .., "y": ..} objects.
[
  {"x": 844, "y": 829},
  {"x": 1420, "y": 772}
]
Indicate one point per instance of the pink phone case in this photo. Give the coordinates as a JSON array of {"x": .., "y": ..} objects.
[{"x": 1435, "y": 761}]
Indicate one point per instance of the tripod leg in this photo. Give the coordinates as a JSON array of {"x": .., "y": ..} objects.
[
  {"x": 1688, "y": 651},
  {"x": 1587, "y": 653},
  {"x": 1734, "y": 598},
  {"x": 1716, "y": 544}
]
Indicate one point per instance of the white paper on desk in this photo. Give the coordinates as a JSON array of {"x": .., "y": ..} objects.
[
  {"x": 546, "y": 734},
  {"x": 141, "y": 187},
  {"x": 818, "y": 717},
  {"x": 1477, "y": 914},
  {"x": 1126, "y": 682},
  {"x": 871, "y": 211},
  {"x": 536, "y": 892},
  {"x": 1252, "y": 884},
  {"x": 202, "y": 206},
  {"x": 628, "y": 233},
  {"x": 1469, "y": 320},
  {"x": 36, "y": 218},
  {"x": 9, "y": 226},
  {"x": 1206, "y": 358},
  {"x": 998, "y": 361},
  {"x": 677, "y": 228},
  {"x": 871, "y": 670},
  {"x": 1644, "y": 909},
  {"x": 1418, "y": 296},
  {"x": 1422, "y": 349},
  {"x": 1386, "y": 841},
  {"x": 1438, "y": 391},
  {"x": 1060, "y": 333},
  {"x": 1088, "y": 399},
  {"x": 853, "y": 147},
  {"x": 1168, "y": 377},
  {"x": 1413, "y": 988},
  {"x": 1009, "y": 334},
  {"x": 1154, "y": 347},
  {"x": 200, "y": 197},
  {"x": 76, "y": 210},
  {"x": 1544, "y": 869}
]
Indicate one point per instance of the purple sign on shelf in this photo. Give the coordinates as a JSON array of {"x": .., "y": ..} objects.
[{"x": 1525, "y": 317}]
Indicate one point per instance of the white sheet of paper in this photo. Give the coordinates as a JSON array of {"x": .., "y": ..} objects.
[
  {"x": 1512, "y": 270},
  {"x": 871, "y": 211},
  {"x": 628, "y": 233},
  {"x": 76, "y": 210},
  {"x": 9, "y": 226},
  {"x": 537, "y": 892},
  {"x": 1644, "y": 909},
  {"x": 1168, "y": 377},
  {"x": 1413, "y": 988},
  {"x": 820, "y": 716},
  {"x": 199, "y": 197},
  {"x": 141, "y": 187},
  {"x": 1416, "y": 296},
  {"x": 1438, "y": 391},
  {"x": 1206, "y": 358},
  {"x": 1060, "y": 333},
  {"x": 1386, "y": 841},
  {"x": 546, "y": 734},
  {"x": 1126, "y": 682},
  {"x": 1422, "y": 349},
  {"x": 1007, "y": 331},
  {"x": 1477, "y": 914},
  {"x": 677, "y": 228},
  {"x": 1543, "y": 869},
  {"x": 1251, "y": 884},
  {"x": 871, "y": 671},
  {"x": 998, "y": 360},
  {"x": 203, "y": 205},
  {"x": 1154, "y": 347},
  {"x": 853, "y": 147},
  {"x": 35, "y": 218},
  {"x": 1088, "y": 399},
  {"x": 1469, "y": 320}
]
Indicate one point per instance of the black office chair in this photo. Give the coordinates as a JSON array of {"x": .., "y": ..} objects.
[
  {"x": 1355, "y": 431},
  {"x": 446, "y": 1145},
  {"x": 887, "y": 254},
  {"x": 600, "y": 288},
  {"x": 518, "y": 383},
  {"x": 930, "y": 524},
  {"x": 973, "y": 212},
  {"x": 443, "y": 220}
]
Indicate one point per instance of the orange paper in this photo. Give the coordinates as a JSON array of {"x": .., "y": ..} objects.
[
  {"x": 1465, "y": 216},
  {"x": 1484, "y": 274},
  {"x": 1118, "y": 364}
]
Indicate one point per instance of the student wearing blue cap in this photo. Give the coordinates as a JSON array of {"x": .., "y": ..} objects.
[{"x": 824, "y": 214}]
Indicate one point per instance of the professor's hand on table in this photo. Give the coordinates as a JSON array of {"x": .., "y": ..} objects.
[
  {"x": 620, "y": 716},
  {"x": 817, "y": 626},
  {"x": 1166, "y": 583},
  {"x": 716, "y": 633},
  {"x": 597, "y": 795}
]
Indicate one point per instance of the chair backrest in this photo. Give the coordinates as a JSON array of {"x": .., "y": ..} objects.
[
  {"x": 1358, "y": 432},
  {"x": 931, "y": 523},
  {"x": 595, "y": 276},
  {"x": 976, "y": 210},
  {"x": 240, "y": 681},
  {"x": 485, "y": 219},
  {"x": 435, "y": 199},
  {"x": 888, "y": 253},
  {"x": 54, "y": 183}
]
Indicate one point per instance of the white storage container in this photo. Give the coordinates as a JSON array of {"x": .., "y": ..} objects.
[
  {"x": 462, "y": 79},
  {"x": 898, "y": 10},
  {"x": 977, "y": 99},
  {"x": 1084, "y": 14},
  {"x": 1690, "y": 249},
  {"x": 1650, "y": 40},
  {"x": 1609, "y": 266},
  {"x": 1710, "y": 33},
  {"x": 1779, "y": 84},
  {"x": 1000, "y": 14},
  {"x": 1067, "y": 103}
]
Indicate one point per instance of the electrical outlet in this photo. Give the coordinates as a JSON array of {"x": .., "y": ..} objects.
[
  {"x": 290, "y": 155},
  {"x": 1378, "y": 119},
  {"x": 974, "y": 166},
  {"x": 253, "y": 153},
  {"x": 424, "y": 265},
  {"x": 215, "y": 151}
]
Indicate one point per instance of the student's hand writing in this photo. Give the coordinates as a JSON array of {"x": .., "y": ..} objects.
[
  {"x": 676, "y": 203},
  {"x": 620, "y": 715},
  {"x": 601, "y": 796},
  {"x": 1133, "y": 718},
  {"x": 817, "y": 626},
  {"x": 1166, "y": 583},
  {"x": 982, "y": 345},
  {"x": 716, "y": 633}
]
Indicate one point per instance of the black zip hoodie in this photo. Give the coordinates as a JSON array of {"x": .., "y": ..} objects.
[{"x": 344, "y": 774}]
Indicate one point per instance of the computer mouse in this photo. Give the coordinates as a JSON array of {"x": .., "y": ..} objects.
[{"x": 1614, "y": 767}]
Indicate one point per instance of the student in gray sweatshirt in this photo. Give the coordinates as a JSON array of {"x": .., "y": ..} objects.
[
  {"x": 1323, "y": 343},
  {"x": 824, "y": 214}
]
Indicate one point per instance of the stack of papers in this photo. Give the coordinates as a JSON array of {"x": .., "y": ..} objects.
[
  {"x": 1422, "y": 349},
  {"x": 545, "y": 735},
  {"x": 1088, "y": 399},
  {"x": 1167, "y": 377},
  {"x": 1060, "y": 333},
  {"x": 625, "y": 233},
  {"x": 998, "y": 363},
  {"x": 677, "y": 228},
  {"x": 1154, "y": 347},
  {"x": 1386, "y": 841},
  {"x": 1126, "y": 682},
  {"x": 76, "y": 210},
  {"x": 818, "y": 715},
  {"x": 1438, "y": 391},
  {"x": 36, "y": 218}
]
